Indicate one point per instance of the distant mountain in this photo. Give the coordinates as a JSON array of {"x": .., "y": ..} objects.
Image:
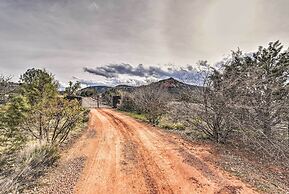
[
  {"x": 101, "y": 89},
  {"x": 176, "y": 88},
  {"x": 172, "y": 85},
  {"x": 92, "y": 90},
  {"x": 124, "y": 88}
]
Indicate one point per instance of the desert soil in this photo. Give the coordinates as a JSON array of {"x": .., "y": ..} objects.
[{"x": 124, "y": 155}]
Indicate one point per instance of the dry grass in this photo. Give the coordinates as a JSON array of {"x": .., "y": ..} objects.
[
  {"x": 23, "y": 168},
  {"x": 265, "y": 175}
]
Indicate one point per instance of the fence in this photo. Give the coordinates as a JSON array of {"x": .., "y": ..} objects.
[{"x": 89, "y": 102}]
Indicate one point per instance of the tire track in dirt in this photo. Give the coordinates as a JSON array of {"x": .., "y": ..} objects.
[
  {"x": 186, "y": 152},
  {"x": 182, "y": 181},
  {"x": 181, "y": 160},
  {"x": 144, "y": 161},
  {"x": 101, "y": 152}
]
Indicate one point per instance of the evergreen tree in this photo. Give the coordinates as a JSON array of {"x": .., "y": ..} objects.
[{"x": 38, "y": 85}]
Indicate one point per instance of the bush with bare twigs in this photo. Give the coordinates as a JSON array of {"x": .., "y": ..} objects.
[
  {"x": 247, "y": 99},
  {"x": 152, "y": 102}
]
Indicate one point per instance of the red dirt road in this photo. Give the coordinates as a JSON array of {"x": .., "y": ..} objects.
[{"x": 126, "y": 156}]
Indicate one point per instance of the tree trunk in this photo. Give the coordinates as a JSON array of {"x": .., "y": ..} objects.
[
  {"x": 40, "y": 128},
  {"x": 267, "y": 128}
]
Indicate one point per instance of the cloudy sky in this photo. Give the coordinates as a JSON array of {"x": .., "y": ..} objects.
[{"x": 71, "y": 37}]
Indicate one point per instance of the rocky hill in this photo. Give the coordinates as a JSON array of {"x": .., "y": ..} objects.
[
  {"x": 177, "y": 89},
  {"x": 173, "y": 86}
]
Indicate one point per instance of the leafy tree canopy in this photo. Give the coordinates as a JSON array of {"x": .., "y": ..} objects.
[{"x": 38, "y": 85}]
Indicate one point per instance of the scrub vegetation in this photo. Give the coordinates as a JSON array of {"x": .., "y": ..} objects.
[{"x": 34, "y": 121}]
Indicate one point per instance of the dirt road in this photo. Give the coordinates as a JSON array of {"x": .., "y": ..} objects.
[{"x": 126, "y": 156}]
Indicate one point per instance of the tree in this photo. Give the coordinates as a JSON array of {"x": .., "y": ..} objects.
[
  {"x": 59, "y": 117},
  {"x": 38, "y": 85},
  {"x": 216, "y": 115},
  {"x": 72, "y": 88},
  {"x": 127, "y": 102},
  {"x": 260, "y": 81},
  {"x": 50, "y": 118},
  {"x": 11, "y": 116},
  {"x": 152, "y": 102},
  {"x": 5, "y": 88},
  {"x": 269, "y": 85},
  {"x": 36, "y": 113},
  {"x": 249, "y": 91}
]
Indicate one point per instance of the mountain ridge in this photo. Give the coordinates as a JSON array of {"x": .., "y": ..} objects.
[{"x": 171, "y": 84}]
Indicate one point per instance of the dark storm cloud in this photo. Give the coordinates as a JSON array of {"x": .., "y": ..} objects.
[{"x": 115, "y": 70}]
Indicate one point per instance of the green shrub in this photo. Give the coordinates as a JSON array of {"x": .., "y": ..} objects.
[
  {"x": 173, "y": 126},
  {"x": 138, "y": 116}
]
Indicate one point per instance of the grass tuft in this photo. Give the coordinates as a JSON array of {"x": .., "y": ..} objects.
[{"x": 32, "y": 162}]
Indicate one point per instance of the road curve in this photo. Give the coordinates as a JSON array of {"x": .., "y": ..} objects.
[{"x": 126, "y": 156}]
